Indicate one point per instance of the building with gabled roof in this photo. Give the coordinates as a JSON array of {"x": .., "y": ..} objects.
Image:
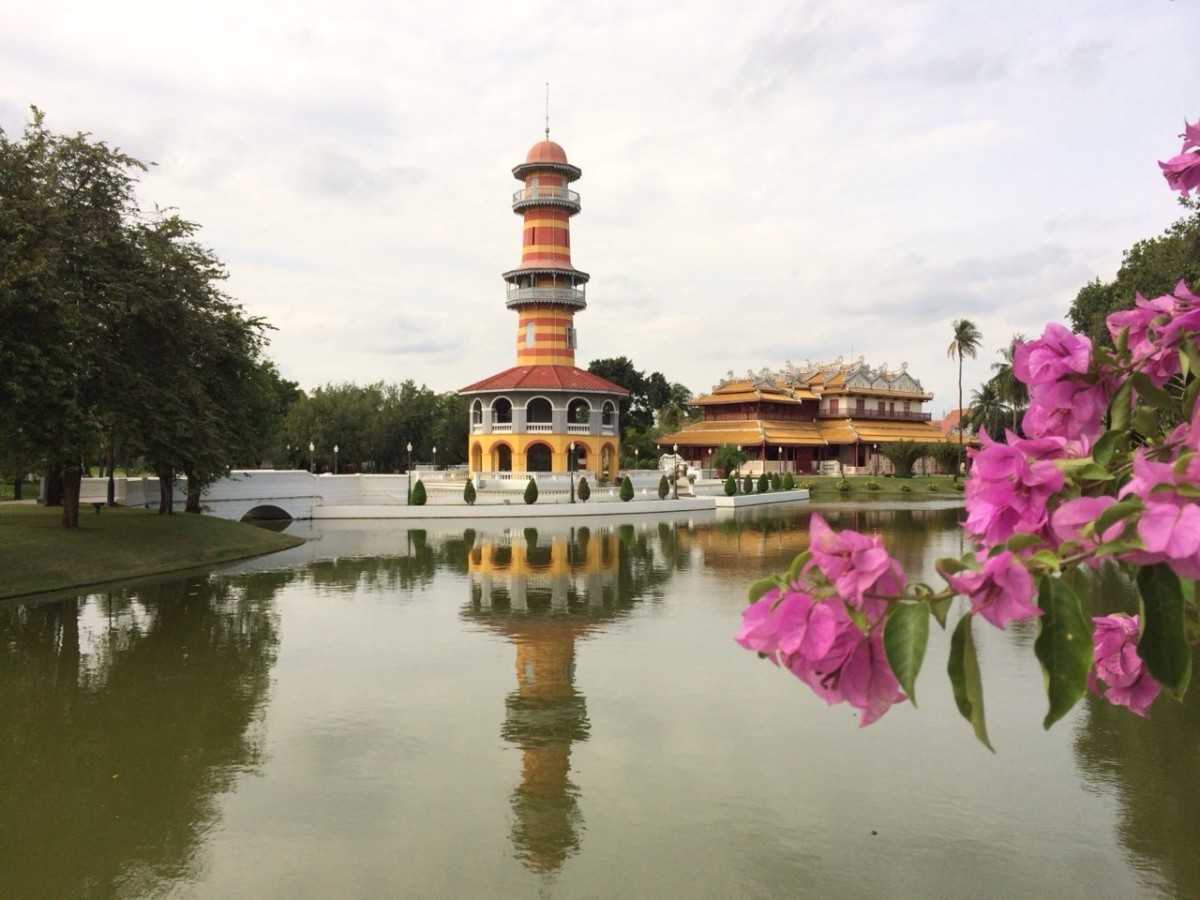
[{"x": 796, "y": 418}]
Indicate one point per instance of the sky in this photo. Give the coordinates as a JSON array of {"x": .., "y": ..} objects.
[{"x": 762, "y": 183}]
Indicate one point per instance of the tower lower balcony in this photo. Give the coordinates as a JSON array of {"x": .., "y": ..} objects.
[
  {"x": 566, "y": 296},
  {"x": 546, "y": 196}
]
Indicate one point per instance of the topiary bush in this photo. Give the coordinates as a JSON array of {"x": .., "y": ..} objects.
[
  {"x": 626, "y": 489},
  {"x": 531, "y": 491},
  {"x": 664, "y": 488},
  {"x": 787, "y": 482},
  {"x": 776, "y": 481},
  {"x": 763, "y": 483},
  {"x": 872, "y": 485},
  {"x": 747, "y": 485},
  {"x": 843, "y": 486},
  {"x": 730, "y": 486},
  {"x": 906, "y": 488},
  {"x": 584, "y": 491},
  {"x": 469, "y": 493},
  {"x": 418, "y": 494}
]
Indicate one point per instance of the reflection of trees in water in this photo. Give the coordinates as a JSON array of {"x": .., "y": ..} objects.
[
  {"x": 123, "y": 717},
  {"x": 1152, "y": 766}
]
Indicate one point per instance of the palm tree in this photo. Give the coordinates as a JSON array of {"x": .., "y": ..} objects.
[
  {"x": 967, "y": 339},
  {"x": 1011, "y": 390},
  {"x": 988, "y": 410}
]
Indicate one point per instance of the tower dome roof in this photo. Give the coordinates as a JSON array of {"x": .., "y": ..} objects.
[{"x": 546, "y": 152}]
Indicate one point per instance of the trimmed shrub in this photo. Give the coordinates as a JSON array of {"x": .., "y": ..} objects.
[
  {"x": 933, "y": 486},
  {"x": 787, "y": 483},
  {"x": 584, "y": 491},
  {"x": 469, "y": 493},
  {"x": 664, "y": 488},
  {"x": 626, "y": 489},
  {"x": 843, "y": 486},
  {"x": 959, "y": 486},
  {"x": 531, "y": 491},
  {"x": 747, "y": 485},
  {"x": 418, "y": 494},
  {"x": 906, "y": 488},
  {"x": 776, "y": 481},
  {"x": 763, "y": 483},
  {"x": 872, "y": 485},
  {"x": 730, "y": 486}
]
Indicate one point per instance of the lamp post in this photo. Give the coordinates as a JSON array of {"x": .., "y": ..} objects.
[
  {"x": 311, "y": 465},
  {"x": 409, "y": 448},
  {"x": 435, "y": 459},
  {"x": 335, "y": 459},
  {"x": 635, "y": 457},
  {"x": 571, "y": 468},
  {"x": 675, "y": 470}
]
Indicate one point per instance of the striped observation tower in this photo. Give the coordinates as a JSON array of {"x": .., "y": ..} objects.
[
  {"x": 546, "y": 290},
  {"x": 526, "y": 419}
]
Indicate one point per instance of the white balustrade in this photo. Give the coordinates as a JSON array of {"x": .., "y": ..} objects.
[
  {"x": 578, "y": 427},
  {"x": 501, "y": 427},
  {"x": 539, "y": 427}
]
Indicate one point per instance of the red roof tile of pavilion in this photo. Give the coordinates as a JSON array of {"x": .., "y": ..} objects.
[{"x": 543, "y": 378}]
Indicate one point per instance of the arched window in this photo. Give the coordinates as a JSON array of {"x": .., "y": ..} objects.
[
  {"x": 607, "y": 413},
  {"x": 501, "y": 410},
  {"x": 579, "y": 411},
  {"x": 539, "y": 410},
  {"x": 502, "y": 456},
  {"x": 477, "y": 412},
  {"x": 538, "y": 458}
]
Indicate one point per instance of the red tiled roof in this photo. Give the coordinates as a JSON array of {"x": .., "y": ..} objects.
[{"x": 545, "y": 378}]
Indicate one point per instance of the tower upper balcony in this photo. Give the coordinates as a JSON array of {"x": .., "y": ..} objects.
[{"x": 545, "y": 195}]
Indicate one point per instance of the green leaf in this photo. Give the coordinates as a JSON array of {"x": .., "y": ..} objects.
[
  {"x": 762, "y": 586},
  {"x": 1094, "y": 472},
  {"x": 1115, "y": 513},
  {"x": 1118, "y": 411},
  {"x": 963, "y": 669},
  {"x": 1189, "y": 396},
  {"x": 798, "y": 565},
  {"x": 1063, "y": 647},
  {"x": 1047, "y": 559},
  {"x": 904, "y": 638},
  {"x": 950, "y": 566},
  {"x": 1163, "y": 645},
  {"x": 940, "y": 609},
  {"x": 1149, "y": 392},
  {"x": 1023, "y": 541},
  {"x": 1192, "y": 352},
  {"x": 1145, "y": 421},
  {"x": 1108, "y": 444}
]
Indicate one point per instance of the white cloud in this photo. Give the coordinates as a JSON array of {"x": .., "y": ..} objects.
[{"x": 761, "y": 182}]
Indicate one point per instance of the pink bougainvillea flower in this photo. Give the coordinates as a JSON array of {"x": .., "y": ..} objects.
[
  {"x": 855, "y": 670},
  {"x": 1171, "y": 532},
  {"x": 772, "y": 618},
  {"x": 1057, "y": 354},
  {"x": 1007, "y": 492},
  {"x": 1067, "y": 521},
  {"x": 1002, "y": 591},
  {"x": 1153, "y": 354},
  {"x": 1117, "y": 665},
  {"x": 1070, "y": 409},
  {"x": 856, "y": 565},
  {"x": 1191, "y": 135},
  {"x": 1182, "y": 171}
]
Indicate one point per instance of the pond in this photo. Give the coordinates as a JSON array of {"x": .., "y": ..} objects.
[{"x": 559, "y": 712}]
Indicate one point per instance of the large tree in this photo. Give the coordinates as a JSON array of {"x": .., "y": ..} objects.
[{"x": 1150, "y": 267}]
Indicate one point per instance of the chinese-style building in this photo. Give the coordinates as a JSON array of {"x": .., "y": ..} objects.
[
  {"x": 795, "y": 419},
  {"x": 526, "y": 418}
]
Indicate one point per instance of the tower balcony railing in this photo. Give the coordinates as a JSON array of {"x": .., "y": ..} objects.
[
  {"x": 518, "y": 296},
  {"x": 502, "y": 427},
  {"x": 532, "y": 196},
  {"x": 578, "y": 428},
  {"x": 539, "y": 427}
]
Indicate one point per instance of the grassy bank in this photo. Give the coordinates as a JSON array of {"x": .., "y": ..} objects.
[
  {"x": 37, "y": 554},
  {"x": 919, "y": 487}
]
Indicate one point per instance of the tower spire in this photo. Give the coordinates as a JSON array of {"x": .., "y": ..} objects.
[{"x": 547, "y": 110}]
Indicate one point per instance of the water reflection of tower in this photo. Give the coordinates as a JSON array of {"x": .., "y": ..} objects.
[{"x": 544, "y": 595}]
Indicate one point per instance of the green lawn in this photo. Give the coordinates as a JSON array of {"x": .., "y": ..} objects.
[
  {"x": 37, "y": 554},
  {"x": 919, "y": 486}
]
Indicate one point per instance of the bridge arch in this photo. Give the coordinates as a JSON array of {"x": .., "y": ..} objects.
[{"x": 268, "y": 511}]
